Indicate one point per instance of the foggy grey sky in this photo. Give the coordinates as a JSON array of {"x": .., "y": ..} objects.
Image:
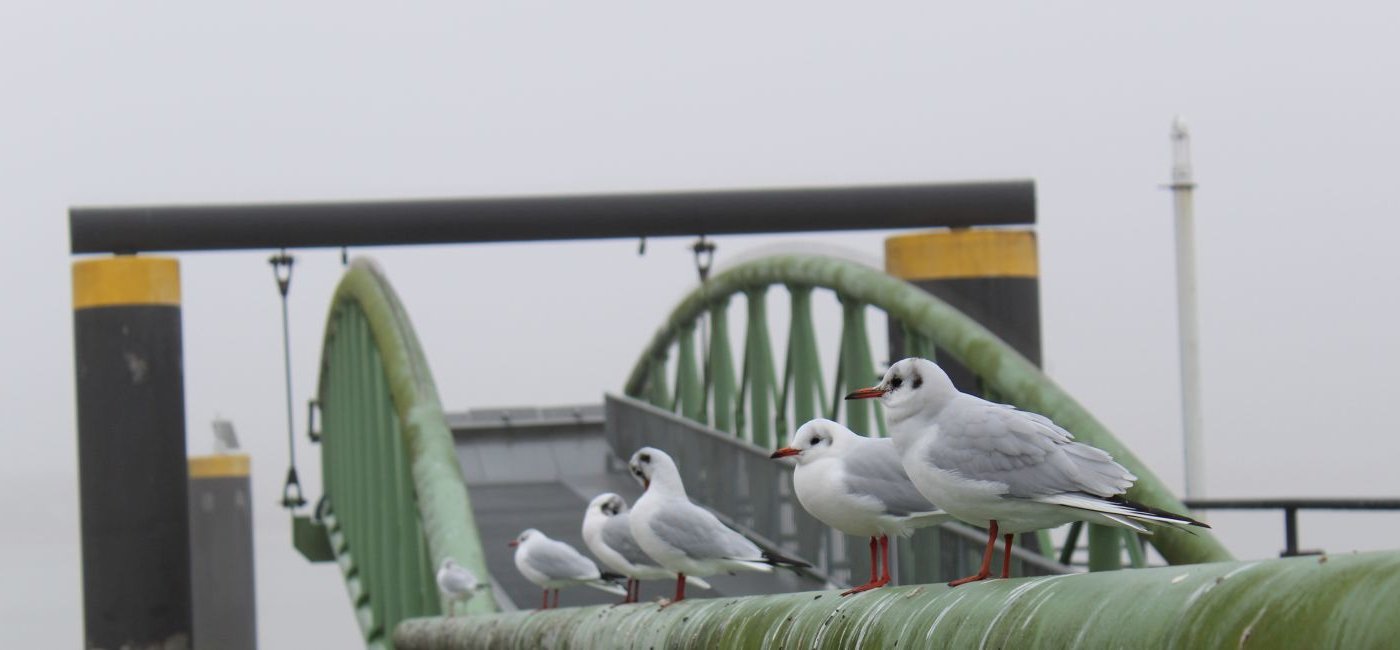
[{"x": 1292, "y": 107}]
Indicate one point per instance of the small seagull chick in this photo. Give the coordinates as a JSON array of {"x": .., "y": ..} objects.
[
  {"x": 858, "y": 486},
  {"x": 607, "y": 530},
  {"x": 683, "y": 537},
  {"x": 553, "y": 565},
  {"x": 457, "y": 582}
]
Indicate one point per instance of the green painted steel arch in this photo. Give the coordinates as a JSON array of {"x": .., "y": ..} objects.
[
  {"x": 1005, "y": 372},
  {"x": 396, "y": 504}
]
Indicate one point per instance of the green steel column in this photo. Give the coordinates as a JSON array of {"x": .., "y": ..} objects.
[
  {"x": 690, "y": 387},
  {"x": 132, "y": 475},
  {"x": 859, "y": 368},
  {"x": 759, "y": 374},
  {"x": 1105, "y": 548},
  {"x": 721, "y": 366},
  {"x": 804, "y": 361},
  {"x": 657, "y": 392}
]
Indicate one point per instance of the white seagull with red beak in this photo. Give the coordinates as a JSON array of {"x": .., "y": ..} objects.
[
  {"x": 682, "y": 537},
  {"x": 607, "y": 530},
  {"x": 552, "y": 564},
  {"x": 857, "y": 486},
  {"x": 996, "y": 466}
]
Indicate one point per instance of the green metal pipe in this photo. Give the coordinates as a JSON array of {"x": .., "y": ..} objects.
[
  {"x": 1344, "y": 601},
  {"x": 953, "y": 333}
]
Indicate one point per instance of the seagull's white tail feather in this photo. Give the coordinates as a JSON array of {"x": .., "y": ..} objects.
[
  {"x": 1126, "y": 523},
  {"x": 604, "y": 585},
  {"x": 925, "y": 519},
  {"x": 697, "y": 582},
  {"x": 1118, "y": 510},
  {"x": 754, "y": 565}
]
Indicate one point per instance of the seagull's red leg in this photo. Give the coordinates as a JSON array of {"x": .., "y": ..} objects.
[
  {"x": 1006, "y": 557},
  {"x": 986, "y": 569},
  {"x": 885, "y": 553},
  {"x": 680, "y": 588},
  {"x": 874, "y": 572},
  {"x": 556, "y": 599},
  {"x": 544, "y": 602}
]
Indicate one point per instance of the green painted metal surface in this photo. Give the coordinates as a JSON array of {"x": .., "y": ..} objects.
[
  {"x": 933, "y": 326},
  {"x": 396, "y": 502},
  {"x": 1345, "y": 601}
]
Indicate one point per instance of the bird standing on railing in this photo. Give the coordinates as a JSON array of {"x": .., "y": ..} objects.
[
  {"x": 457, "y": 582},
  {"x": 552, "y": 564},
  {"x": 683, "y": 537},
  {"x": 607, "y": 530},
  {"x": 992, "y": 464},
  {"x": 858, "y": 486}
]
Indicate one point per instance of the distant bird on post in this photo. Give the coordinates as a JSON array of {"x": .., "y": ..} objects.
[{"x": 457, "y": 582}]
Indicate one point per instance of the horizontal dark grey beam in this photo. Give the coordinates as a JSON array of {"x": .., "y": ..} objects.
[{"x": 436, "y": 221}]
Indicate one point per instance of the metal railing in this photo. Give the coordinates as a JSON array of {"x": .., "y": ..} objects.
[
  {"x": 395, "y": 503},
  {"x": 1290, "y": 508},
  {"x": 759, "y": 407}
]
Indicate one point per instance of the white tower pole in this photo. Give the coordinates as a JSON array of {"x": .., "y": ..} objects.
[{"x": 1182, "y": 186}]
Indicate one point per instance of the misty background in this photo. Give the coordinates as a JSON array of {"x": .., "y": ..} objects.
[{"x": 1292, "y": 108}]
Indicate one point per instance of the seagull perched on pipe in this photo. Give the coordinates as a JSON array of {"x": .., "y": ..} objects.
[
  {"x": 553, "y": 565},
  {"x": 992, "y": 464},
  {"x": 457, "y": 582},
  {"x": 683, "y": 537},
  {"x": 607, "y": 530},
  {"x": 858, "y": 486}
]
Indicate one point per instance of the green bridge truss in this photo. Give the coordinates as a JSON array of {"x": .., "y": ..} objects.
[{"x": 395, "y": 503}]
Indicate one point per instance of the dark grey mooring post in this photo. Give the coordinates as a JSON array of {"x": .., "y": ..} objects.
[
  {"x": 131, "y": 453},
  {"x": 221, "y": 552}
]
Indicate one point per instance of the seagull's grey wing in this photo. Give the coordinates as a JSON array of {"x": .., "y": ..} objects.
[
  {"x": 1027, "y": 452},
  {"x": 617, "y": 534},
  {"x": 698, "y": 534},
  {"x": 559, "y": 561},
  {"x": 874, "y": 469}
]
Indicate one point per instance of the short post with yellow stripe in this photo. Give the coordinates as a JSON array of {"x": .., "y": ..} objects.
[
  {"x": 131, "y": 452},
  {"x": 221, "y": 551}
]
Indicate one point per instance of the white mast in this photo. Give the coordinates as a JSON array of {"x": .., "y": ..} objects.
[{"x": 1181, "y": 186}]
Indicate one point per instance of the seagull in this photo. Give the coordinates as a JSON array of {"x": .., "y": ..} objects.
[
  {"x": 857, "y": 486},
  {"x": 993, "y": 464},
  {"x": 552, "y": 564},
  {"x": 683, "y": 537},
  {"x": 607, "y": 531},
  {"x": 457, "y": 582}
]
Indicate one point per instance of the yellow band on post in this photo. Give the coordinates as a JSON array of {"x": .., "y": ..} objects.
[
  {"x": 220, "y": 465},
  {"x": 126, "y": 280},
  {"x": 962, "y": 253}
]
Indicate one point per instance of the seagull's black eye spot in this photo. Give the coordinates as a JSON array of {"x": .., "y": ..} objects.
[
  {"x": 918, "y": 381},
  {"x": 896, "y": 383},
  {"x": 645, "y": 458},
  {"x": 816, "y": 440}
]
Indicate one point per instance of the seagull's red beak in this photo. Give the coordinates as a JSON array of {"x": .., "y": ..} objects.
[
  {"x": 513, "y": 543},
  {"x": 867, "y": 393},
  {"x": 784, "y": 452},
  {"x": 646, "y": 484}
]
